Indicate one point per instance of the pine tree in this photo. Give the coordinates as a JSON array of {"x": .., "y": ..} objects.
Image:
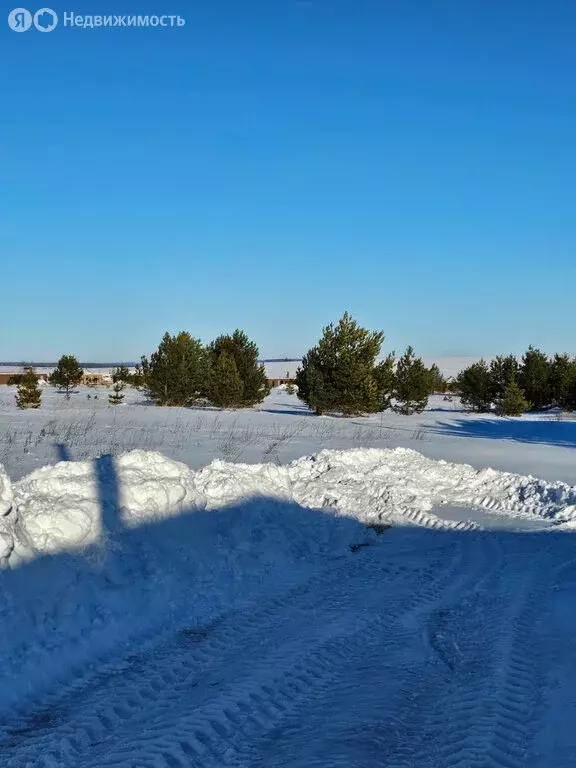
[
  {"x": 245, "y": 355},
  {"x": 67, "y": 374},
  {"x": 533, "y": 378},
  {"x": 412, "y": 384},
  {"x": 29, "y": 394},
  {"x": 122, "y": 374},
  {"x": 117, "y": 396},
  {"x": 177, "y": 373},
  {"x": 569, "y": 399},
  {"x": 290, "y": 388},
  {"x": 137, "y": 378},
  {"x": 385, "y": 376},
  {"x": 503, "y": 370},
  {"x": 437, "y": 382},
  {"x": 512, "y": 402},
  {"x": 226, "y": 389},
  {"x": 340, "y": 373},
  {"x": 561, "y": 379},
  {"x": 310, "y": 380},
  {"x": 474, "y": 385}
]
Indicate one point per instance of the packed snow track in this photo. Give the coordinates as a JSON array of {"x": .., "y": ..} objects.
[{"x": 426, "y": 648}]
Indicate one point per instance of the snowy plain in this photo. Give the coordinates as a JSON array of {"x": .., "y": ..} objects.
[
  {"x": 191, "y": 587},
  {"x": 280, "y": 429}
]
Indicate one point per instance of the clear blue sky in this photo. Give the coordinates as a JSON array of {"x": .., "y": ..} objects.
[{"x": 275, "y": 162}]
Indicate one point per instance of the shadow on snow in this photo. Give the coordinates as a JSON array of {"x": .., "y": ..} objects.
[{"x": 559, "y": 433}]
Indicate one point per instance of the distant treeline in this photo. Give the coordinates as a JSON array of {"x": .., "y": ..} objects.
[
  {"x": 338, "y": 375},
  {"x": 511, "y": 387},
  {"x": 342, "y": 374}
]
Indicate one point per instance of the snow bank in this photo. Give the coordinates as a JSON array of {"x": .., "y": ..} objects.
[
  {"x": 75, "y": 504},
  {"x": 72, "y": 504},
  {"x": 5, "y": 492},
  {"x": 398, "y": 484},
  {"x": 6, "y": 537}
]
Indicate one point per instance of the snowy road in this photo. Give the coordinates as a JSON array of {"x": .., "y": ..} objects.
[{"x": 429, "y": 649}]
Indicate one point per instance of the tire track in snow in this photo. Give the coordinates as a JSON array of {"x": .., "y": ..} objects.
[
  {"x": 214, "y": 740},
  {"x": 233, "y": 630},
  {"x": 181, "y": 693},
  {"x": 353, "y": 720},
  {"x": 195, "y": 654},
  {"x": 486, "y": 720}
]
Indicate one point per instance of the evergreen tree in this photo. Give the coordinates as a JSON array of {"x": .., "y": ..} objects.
[
  {"x": 245, "y": 355},
  {"x": 122, "y": 374},
  {"x": 474, "y": 385},
  {"x": 226, "y": 389},
  {"x": 503, "y": 370},
  {"x": 67, "y": 374},
  {"x": 290, "y": 388},
  {"x": 177, "y": 372},
  {"x": 533, "y": 378},
  {"x": 137, "y": 378},
  {"x": 512, "y": 401},
  {"x": 340, "y": 373},
  {"x": 117, "y": 395},
  {"x": 310, "y": 381},
  {"x": 561, "y": 379},
  {"x": 412, "y": 384},
  {"x": 385, "y": 376},
  {"x": 29, "y": 394},
  {"x": 569, "y": 399},
  {"x": 437, "y": 382}
]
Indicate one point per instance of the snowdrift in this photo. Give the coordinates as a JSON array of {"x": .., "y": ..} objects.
[
  {"x": 100, "y": 553},
  {"x": 77, "y": 504},
  {"x": 6, "y": 538}
]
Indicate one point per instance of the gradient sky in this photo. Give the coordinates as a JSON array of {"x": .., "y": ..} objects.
[{"x": 275, "y": 162}]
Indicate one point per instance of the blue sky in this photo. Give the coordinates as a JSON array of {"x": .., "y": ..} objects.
[{"x": 275, "y": 162}]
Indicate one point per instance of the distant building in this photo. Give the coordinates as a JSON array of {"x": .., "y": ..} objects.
[
  {"x": 280, "y": 372},
  {"x": 7, "y": 378},
  {"x": 90, "y": 378}
]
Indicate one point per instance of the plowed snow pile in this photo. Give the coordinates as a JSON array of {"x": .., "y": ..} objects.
[
  {"x": 117, "y": 548},
  {"x": 75, "y": 504}
]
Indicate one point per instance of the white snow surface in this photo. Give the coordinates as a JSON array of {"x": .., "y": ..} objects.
[
  {"x": 67, "y": 505},
  {"x": 62, "y": 506},
  {"x": 154, "y": 614},
  {"x": 6, "y": 538}
]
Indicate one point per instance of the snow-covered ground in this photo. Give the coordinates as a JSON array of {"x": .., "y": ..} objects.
[
  {"x": 217, "y": 596},
  {"x": 280, "y": 429}
]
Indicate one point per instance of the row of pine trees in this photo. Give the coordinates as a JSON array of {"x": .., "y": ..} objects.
[
  {"x": 225, "y": 373},
  {"x": 343, "y": 373},
  {"x": 338, "y": 375},
  {"x": 181, "y": 372},
  {"x": 512, "y": 387}
]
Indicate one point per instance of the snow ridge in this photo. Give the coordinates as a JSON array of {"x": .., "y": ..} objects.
[{"x": 60, "y": 506}]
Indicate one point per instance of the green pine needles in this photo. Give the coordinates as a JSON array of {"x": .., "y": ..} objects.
[{"x": 29, "y": 394}]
